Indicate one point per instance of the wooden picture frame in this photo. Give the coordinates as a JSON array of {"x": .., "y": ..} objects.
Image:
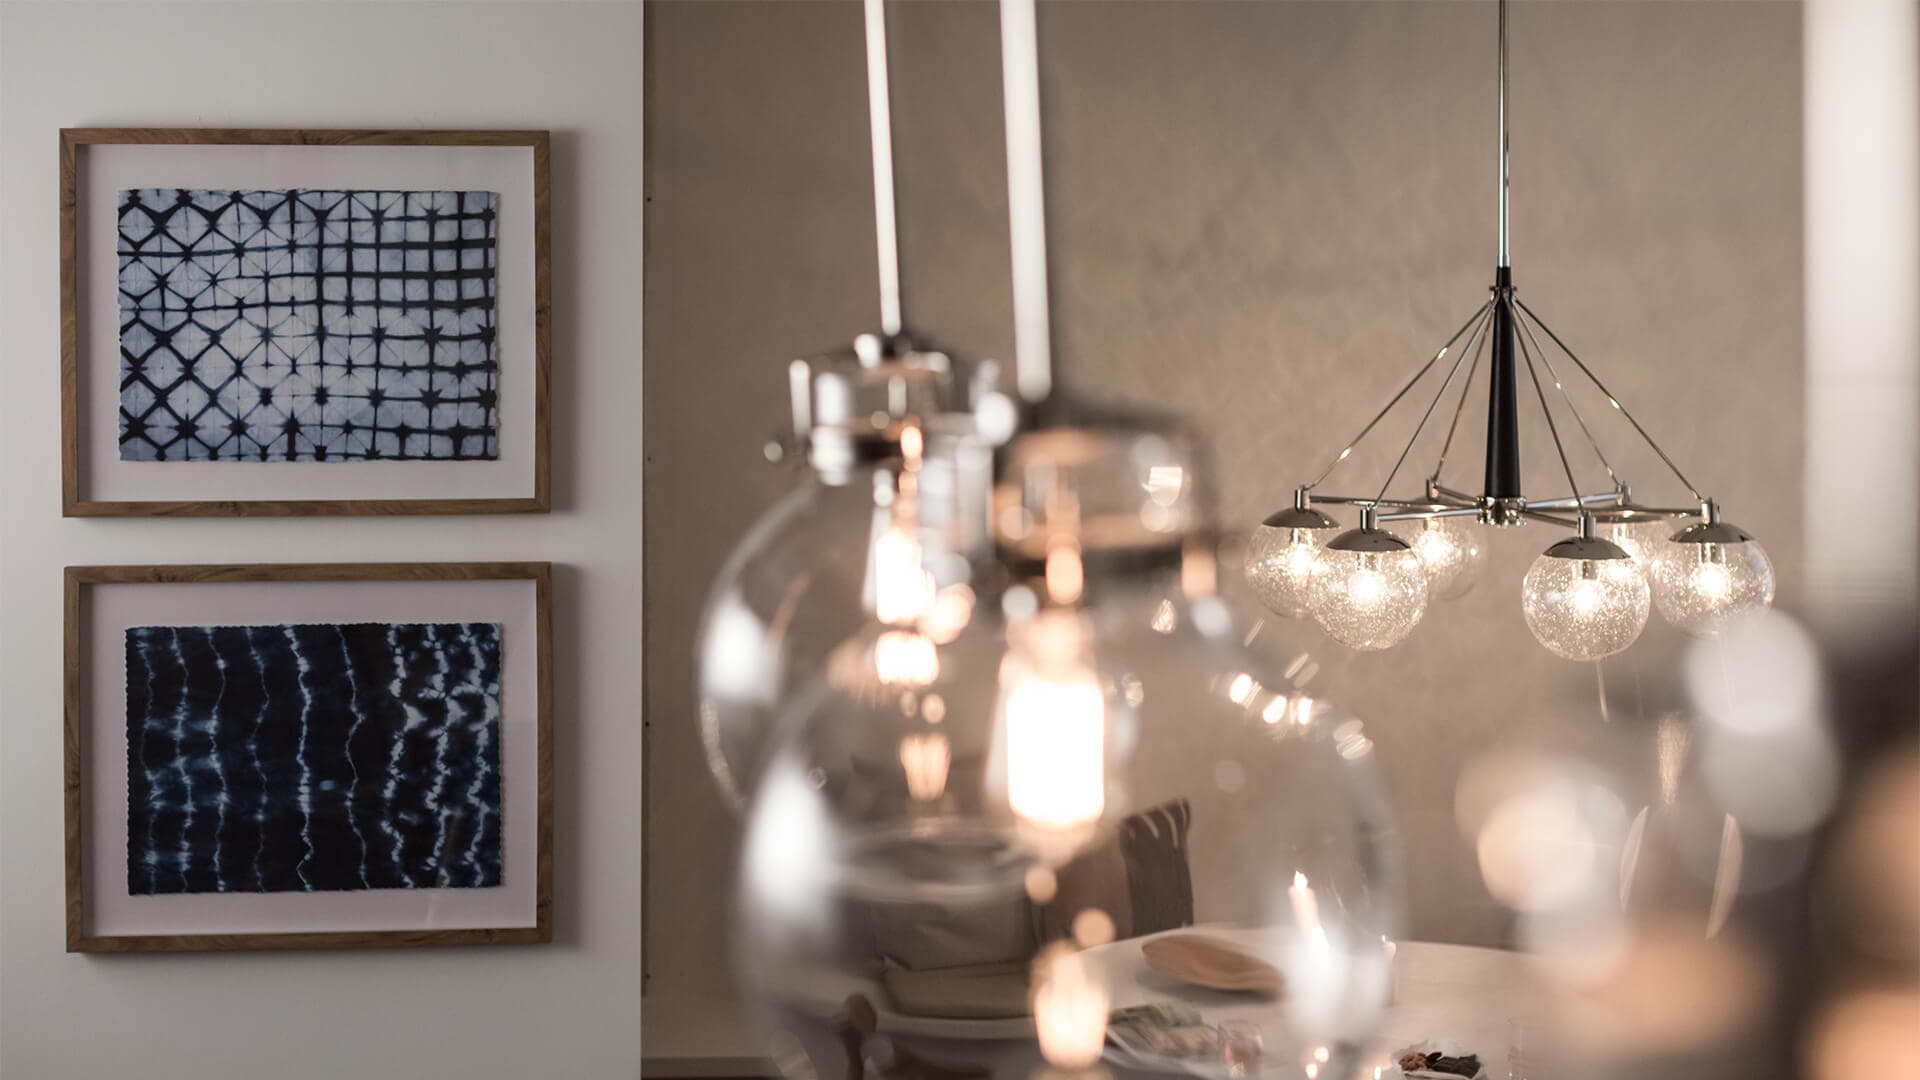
[
  {"x": 531, "y": 417},
  {"x": 390, "y": 579}
]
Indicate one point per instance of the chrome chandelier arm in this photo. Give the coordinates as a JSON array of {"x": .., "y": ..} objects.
[
  {"x": 1611, "y": 399},
  {"x": 1553, "y": 429},
  {"x": 1417, "y": 376},
  {"x": 1398, "y": 504},
  {"x": 1668, "y": 511},
  {"x": 1574, "y": 502},
  {"x": 1431, "y": 405},
  {"x": 1466, "y": 389},
  {"x": 1551, "y": 519},
  {"x": 1566, "y": 396},
  {"x": 886, "y": 223},
  {"x": 1432, "y": 512}
]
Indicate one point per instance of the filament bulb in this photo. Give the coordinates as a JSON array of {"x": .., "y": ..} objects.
[{"x": 1054, "y": 720}]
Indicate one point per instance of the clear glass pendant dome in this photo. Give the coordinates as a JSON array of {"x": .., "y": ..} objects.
[
  {"x": 1283, "y": 555},
  {"x": 1372, "y": 589},
  {"x": 1584, "y": 599},
  {"x": 1640, "y": 535},
  {"x": 1711, "y": 576},
  {"x": 994, "y": 869},
  {"x": 808, "y": 573},
  {"x": 1452, "y": 554}
]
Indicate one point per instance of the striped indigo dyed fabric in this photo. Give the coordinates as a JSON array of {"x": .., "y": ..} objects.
[{"x": 313, "y": 757}]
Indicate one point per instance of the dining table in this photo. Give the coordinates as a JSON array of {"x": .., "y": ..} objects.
[
  {"x": 1472, "y": 999},
  {"x": 1475, "y": 1000}
]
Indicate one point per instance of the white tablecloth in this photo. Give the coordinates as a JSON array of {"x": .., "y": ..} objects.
[
  {"x": 1477, "y": 998},
  {"x": 1473, "y": 998}
]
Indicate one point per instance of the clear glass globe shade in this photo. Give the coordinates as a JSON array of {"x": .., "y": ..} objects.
[
  {"x": 801, "y": 580},
  {"x": 893, "y": 908},
  {"x": 1281, "y": 564},
  {"x": 1642, "y": 538},
  {"x": 1452, "y": 554},
  {"x": 1584, "y": 609},
  {"x": 1704, "y": 588},
  {"x": 1369, "y": 600}
]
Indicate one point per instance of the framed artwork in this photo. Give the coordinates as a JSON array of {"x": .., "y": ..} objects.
[
  {"x": 308, "y": 756},
  {"x": 269, "y": 322}
]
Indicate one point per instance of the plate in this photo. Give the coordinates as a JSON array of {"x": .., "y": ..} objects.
[{"x": 1444, "y": 1046}]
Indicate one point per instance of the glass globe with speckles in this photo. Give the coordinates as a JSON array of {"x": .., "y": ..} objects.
[
  {"x": 1452, "y": 554},
  {"x": 1370, "y": 600},
  {"x": 1585, "y": 608}
]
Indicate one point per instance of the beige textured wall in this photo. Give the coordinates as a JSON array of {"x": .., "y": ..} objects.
[{"x": 1269, "y": 213}]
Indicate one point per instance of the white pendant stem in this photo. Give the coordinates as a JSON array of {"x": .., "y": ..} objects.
[
  {"x": 1026, "y": 201},
  {"x": 886, "y": 225}
]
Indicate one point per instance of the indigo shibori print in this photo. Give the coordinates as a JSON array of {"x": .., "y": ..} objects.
[
  {"x": 313, "y": 757},
  {"x": 307, "y": 325}
]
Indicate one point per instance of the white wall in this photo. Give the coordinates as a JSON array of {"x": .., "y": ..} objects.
[
  {"x": 569, "y": 1009},
  {"x": 1863, "y": 328}
]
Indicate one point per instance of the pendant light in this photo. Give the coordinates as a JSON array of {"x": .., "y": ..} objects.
[
  {"x": 1092, "y": 757},
  {"x": 1585, "y": 597},
  {"x": 1285, "y": 556},
  {"x": 1371, "y": 588},
  {"x": 1710, "y": 576},
  {"x": 842, "y": 545}
]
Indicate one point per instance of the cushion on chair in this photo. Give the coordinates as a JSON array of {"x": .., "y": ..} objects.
[
  {"x": 975, "y": 992},
  {"x": 1140, "y": 878},
  {"x": 1159, "y": 879}
]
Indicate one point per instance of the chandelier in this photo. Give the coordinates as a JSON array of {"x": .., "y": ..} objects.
[{"x": 1588, "y": 595}]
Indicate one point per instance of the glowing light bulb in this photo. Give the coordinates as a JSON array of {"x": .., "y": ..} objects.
[
  {"x": 1367, "y": 588},
  {"x": 1451, "y": 554},
  {"x": 1070, "y": 1007},
  {"x": 925, "y": 758},
  {"x": 1586, "y": 598},
  {"x": 1055, "y": 750},
  {"x": 1710, "y": 577},
  {"x": 1282, "y": 567},
  {"x": 1306, "y": 908},
  {"x": 952, "y": 610},
  {"x": 1712, "y": 582},
  {"x": 1301, "y": 557},
  {"x": 902, "y": 588},
  {"x": 904, "y": 658},
  {"x": 1054, "y": 723},
  {"x": 1284, "y": 557},
  {"x": 1369, "y": 599},
  {"x": 1584, "y": 608}
]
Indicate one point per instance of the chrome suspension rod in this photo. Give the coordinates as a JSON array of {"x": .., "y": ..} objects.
[{"x": 1505, "y": 233}]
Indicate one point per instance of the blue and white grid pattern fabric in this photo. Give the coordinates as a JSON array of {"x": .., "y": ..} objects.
[{"x": 307, "y": 325}]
